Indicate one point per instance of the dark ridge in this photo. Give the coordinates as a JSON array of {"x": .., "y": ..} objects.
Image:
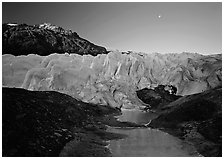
[
  {"x": 197, "y": 119},
  {"x": 44, "y": 39},
  {"x": 40, "y": 123}
]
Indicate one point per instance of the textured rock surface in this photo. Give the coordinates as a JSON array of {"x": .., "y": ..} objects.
[
  {"x": 197, "y": 119},
  {"x": 112, "y": 78},
  {"x": 157, "y": 97},
  {"x": 37, "y": 123},
  {"x": 44, "y": 39}
]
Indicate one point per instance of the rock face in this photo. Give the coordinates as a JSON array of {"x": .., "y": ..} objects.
[
  {"x": 112, "y": 78},
  {"x": 44, "y": 39},
  {"x": 197, "y": 119},
  {"x": 157, "y": 97}
]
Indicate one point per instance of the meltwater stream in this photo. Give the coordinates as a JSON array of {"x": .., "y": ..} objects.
[{"x": 143, "y": 142}]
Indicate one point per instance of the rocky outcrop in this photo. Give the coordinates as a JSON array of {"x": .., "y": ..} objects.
[
  {"x": 40, "y": 124},
  {"x": 157, "y": 97},
  {"x": 44, "y": 39},
  {"x": 112, "y": 78},
  {"x": 197, "y": 119}
]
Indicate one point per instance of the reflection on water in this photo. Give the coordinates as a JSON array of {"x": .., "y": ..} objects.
[
  {"x": 145, "y": 141},
  {"x": 136, "y": 116}
]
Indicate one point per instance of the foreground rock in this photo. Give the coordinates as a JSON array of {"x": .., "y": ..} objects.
[
  {"x": 53, "y": 124},
  {"x": 43, "y": 39},
  {"x": 115, "y": 77},
  {"x": 196, "y": 119}
]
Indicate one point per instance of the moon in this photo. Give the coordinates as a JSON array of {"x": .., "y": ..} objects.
[{"x": 159, "y": 16}]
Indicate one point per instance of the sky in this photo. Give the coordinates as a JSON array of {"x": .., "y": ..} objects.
[{"x": 164, "y": 27}]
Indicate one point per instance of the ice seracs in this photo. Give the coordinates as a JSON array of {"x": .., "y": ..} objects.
[{"x": 12, "y": 24}]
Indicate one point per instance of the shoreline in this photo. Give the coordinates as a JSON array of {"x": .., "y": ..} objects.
[
  {"x": 59, "y": 124},
  {"x": 187, "y": 146},
  {"x": 96, "y": 140},
  {"x": 194, "y": 138}
]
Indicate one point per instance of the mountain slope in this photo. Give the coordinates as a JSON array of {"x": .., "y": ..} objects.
[
  {"x": 44, "y": 39},
  {"x": 40, "y": 123},
  {"x": 197, "y": 119}
]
